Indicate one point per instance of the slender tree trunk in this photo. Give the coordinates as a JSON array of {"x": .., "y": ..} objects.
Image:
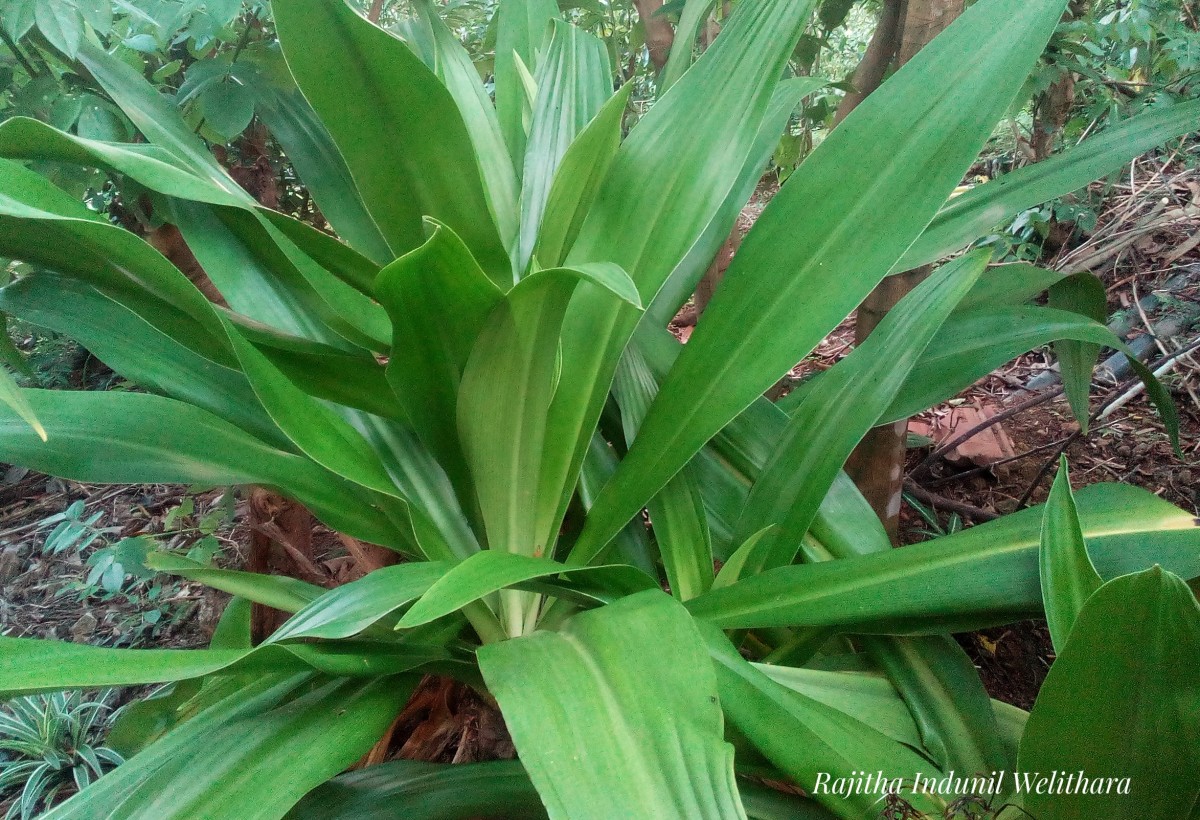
[
  {"x": 660, "y": 34},
  {"x": 877, "y": 465},
  {"x": 1052, "y": 108},
  {"x": 875, "y": 62}
]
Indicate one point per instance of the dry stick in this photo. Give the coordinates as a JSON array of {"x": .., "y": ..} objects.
[
  {"x": 21, "y": 58},
  {"x": 932, "y": 458},
  {"x": 1114, "y": 396},
  {"x": 986, "y": 468},
  {"x": 375, "y": 10},
  {"x": 971, "y": 511}
]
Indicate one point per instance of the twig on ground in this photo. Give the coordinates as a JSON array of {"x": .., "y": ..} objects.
[{"x": 976, "y": 514}]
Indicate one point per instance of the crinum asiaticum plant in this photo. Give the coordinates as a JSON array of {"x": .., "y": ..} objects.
[{"x": 480, "y": 378}]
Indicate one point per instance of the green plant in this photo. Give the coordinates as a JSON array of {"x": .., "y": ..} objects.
[
  {"x": 481, "y": 379},
  {"x": 50, "y": 742}
]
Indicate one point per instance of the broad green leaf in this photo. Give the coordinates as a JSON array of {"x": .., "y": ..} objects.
[
  {"x": 752, "y": 552},
  {"x": 353, "y": 379},
  {"x": 352, "y": 607},
  {"x": 609, "y": 729},
  {"x": 248, "y": 757},
  {"x": 311, "y": 150},
  {"x": 1121, "y": 701},
  {"x": 227, "y": 108},
  {"x": 985, "y": 576},
  {"x": 910, "y": 142},
  {"x": 574, "y": 81},
  {"x": 352, "y": 267},
  {"x": 441, "y": 527},
  {"x": 509, "y": 387},
  {"x": 968, "y": 217},
  {"x": 805, "y": 738},
  {"x": 132, "y": 438},
  {"x": 62, "y": 26},
  {"x": 37, "y": 227},
  {"x": 578, "y": 178},
  {"x": 372, "y": 92},
  {"x": 18, "y": 18},
  {"x": 276, "y": 591},
  {"x": 492, "y": 570},
  {"x": 1086, "y": 295},
  {"x": 249, "y": 262},
  {"x": 416, "y": 790},
  {"x": 521, "y": 30},
  {"x": 632, "y": 545},
  {"x": 873, "y": 699},
  {"x": 842, "y": 405},
  {"x": 864, "y": 696},
  {"x": 677, "y": 512},
  {"x": 1067, "y": 574},
  {"x": 438, "y": 300}
]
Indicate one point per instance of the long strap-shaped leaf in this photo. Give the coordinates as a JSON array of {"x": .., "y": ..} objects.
[
  {"x": 438, "y": 299},
  {"x": 521, "y": 30},
  {"x": 578, "y": 178},
  {"x": 458, "y": 74},
  {"x": 125, "y": 341},
  {"x": 677, "y": 512},
  {"x": 384, "y": 107},
  {"x": 885, "y": 170},
  {"x": 28, "y": 665},
  {"x": 306, "y": 142},
  {"x": 806, "y": 738},
  {"x": 694, "y": 144},
  {"x": 574, "y": 81},
  {"x": 1120, "y": 702},
  {"x": 965, "y": 218},
  {"x": 492, "y": 570},
  {"x": 607, "y": 729},
  {"x": 683, "y": 280},
  {"x": 416, "y": 790},
  {"x": 161, "y": 170},
  {"x": 154, "y": 115},
  {"x": 128, "y": 438},
  {"x": 250, "y": 755},
  {"x": 1067, "y": 574},
  {"x": 510, "y": 387},
  {"x": 842, "y": 406},
  {"x": 985, "y": 576},
  {"x": 973, "y": 343}
]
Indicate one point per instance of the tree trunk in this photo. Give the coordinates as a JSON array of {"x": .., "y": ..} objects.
[
  {"x": 1052, "y": 108},
  {"x": 711, "y": 280},
  {"x": 660, "y": 35},
  {"x": 877, "y": 464},
  {"x": 874, "y": 65}
]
